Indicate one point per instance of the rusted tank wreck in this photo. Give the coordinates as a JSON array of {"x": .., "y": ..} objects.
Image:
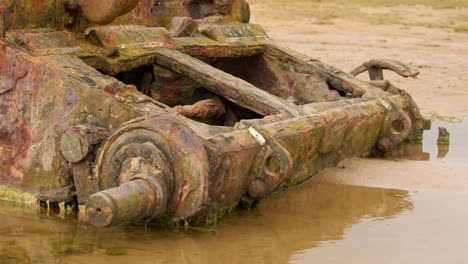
[{"x": 176, "y": 109}]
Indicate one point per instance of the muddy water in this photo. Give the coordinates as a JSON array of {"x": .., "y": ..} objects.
[
  {"x": 316, "y": 222},
  {"x": 283, "y": 228}
]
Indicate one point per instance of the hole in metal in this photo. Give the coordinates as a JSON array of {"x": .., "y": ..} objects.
[{"x": 398, "y": 126}]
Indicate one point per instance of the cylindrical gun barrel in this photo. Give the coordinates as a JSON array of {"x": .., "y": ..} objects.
[{"x": 140, "y": 198}]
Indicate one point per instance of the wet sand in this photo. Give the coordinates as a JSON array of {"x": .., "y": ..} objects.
[
  {"x": 433, "y": 231},
  {"x": 413, "y": 167}
]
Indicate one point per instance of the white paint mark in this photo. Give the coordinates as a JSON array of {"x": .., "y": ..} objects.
[
  {"x": 386, "y": 105},
  {"x": 255, "y": 134}
]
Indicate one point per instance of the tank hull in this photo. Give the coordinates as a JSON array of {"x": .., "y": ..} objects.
[{"x": 196, "y": 117}]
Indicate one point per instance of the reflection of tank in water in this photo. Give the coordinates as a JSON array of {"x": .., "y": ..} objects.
[
  {"x": 283, "y": 226},
  {"x": 176, "y": 109},
  {"x": 410, "y": 151}
]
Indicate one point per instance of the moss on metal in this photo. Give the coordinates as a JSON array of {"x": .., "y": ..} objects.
[{"x": 15, "y": 195}]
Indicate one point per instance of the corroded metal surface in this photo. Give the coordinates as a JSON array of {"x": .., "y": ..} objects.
[{"x": 176, "y": 110}]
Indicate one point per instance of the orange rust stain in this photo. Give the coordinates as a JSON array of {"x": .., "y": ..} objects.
[
  {"x": 104, "y": 210},
  {"x": 183, "y": 195}
]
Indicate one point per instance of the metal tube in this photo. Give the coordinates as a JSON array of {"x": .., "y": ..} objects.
[{"x": 140, "y": 198}]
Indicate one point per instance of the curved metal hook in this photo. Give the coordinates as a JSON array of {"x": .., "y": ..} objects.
[{"x": 376, "y": 67}]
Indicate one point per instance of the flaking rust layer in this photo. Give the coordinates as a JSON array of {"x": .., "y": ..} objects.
[{"x": 176, "y": 110}]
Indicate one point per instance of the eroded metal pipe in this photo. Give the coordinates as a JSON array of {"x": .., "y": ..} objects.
[{"x": 142, "y": 197}]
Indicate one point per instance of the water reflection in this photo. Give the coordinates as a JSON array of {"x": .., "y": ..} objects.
[
  {"x": 293, "y": 221},
  {"x": 431, "y": 149},
  {"x": 410, "y": 151},
  {"x": 442, "y": 150}
]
